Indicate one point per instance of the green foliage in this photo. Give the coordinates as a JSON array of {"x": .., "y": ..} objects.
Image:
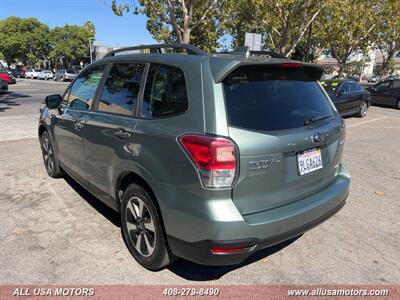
[
  {"x": 345, "y": 26},
  {"x": 284, "y": 23},
  {"x": 29, "y": 41},
  {"x": 169, "y": 21},
  {"x": 70, "y": 45},
  {"x": 25, "y": 40},
  {"x": 387, "y": 34},
  {"x": 354, "y": 68}
]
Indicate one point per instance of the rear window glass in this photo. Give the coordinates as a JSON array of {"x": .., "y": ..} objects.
[{"x": 267, "y": 99}]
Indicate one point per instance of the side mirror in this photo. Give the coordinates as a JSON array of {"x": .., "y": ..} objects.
[
  {"x": 53, "y": 101},
  {"x": 340, "y": 93}
]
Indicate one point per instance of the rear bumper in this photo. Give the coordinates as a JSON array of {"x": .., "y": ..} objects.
[{"x": 263, "y": 229}]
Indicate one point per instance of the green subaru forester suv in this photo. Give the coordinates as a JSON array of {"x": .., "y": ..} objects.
[{"x": 207, "y": 157}]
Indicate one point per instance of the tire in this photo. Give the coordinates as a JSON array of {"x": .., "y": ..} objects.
[
  {"x": 398, "y": 104},
  {"x": 145, "y": 237},
  {"x": 362, "y": 110},
  {"x": 51, "y": 164}
]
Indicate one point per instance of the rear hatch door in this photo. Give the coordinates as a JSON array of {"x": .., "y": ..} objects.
[{"x": 288, "y": 134}]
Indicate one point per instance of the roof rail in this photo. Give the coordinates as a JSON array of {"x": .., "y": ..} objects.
[
  {"x": 244, "y": 50},
  {"x": 156, "y": 48}
]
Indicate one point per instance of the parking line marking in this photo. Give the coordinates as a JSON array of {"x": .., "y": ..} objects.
[{"x": 358, "y": 124}]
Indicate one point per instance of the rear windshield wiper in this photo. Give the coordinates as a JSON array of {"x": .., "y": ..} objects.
[{"x": 318, "y": 118}]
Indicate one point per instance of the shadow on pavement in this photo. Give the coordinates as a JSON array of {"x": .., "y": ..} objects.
[
  {"x": 6, "y": 100},
  {"x": 195, "y": 272},
  {"x": 99, "y": 206},
  {"x": 183, "y": 268}
]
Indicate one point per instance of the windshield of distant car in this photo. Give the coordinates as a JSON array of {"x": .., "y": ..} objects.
[{"x": 70, "y": 71}]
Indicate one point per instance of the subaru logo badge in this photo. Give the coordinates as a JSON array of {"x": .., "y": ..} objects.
[{"x": 317, "y": 137}]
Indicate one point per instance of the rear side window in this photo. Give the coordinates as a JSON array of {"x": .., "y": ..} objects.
[
  {"x": 267, "y": 99},
  {"x": 121, "y": 89},
  {"x": 165, "y": 92}
]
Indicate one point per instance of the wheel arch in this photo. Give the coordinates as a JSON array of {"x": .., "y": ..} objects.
[{"x": 128, "y": 177}]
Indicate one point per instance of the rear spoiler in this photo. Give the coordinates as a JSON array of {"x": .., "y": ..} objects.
[{"x": 222, "y": 68}]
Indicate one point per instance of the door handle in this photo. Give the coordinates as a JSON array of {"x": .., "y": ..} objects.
[
  {"x": 122, "y": 134},
  {"x": 79, "y": 125}
]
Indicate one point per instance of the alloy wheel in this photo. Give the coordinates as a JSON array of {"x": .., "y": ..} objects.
[
  {"x": 363, "y": 109},
  {"x": 48, "y": 154},
  {"x": 140, "y": 225}
]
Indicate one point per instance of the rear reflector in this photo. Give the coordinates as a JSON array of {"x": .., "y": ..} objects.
[
  {"x": 214, "y": 157},
  {"x": 232, "y": 250}
]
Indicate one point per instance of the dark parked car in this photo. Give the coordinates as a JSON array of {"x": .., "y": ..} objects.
[
  {"x": 373, "y": 79},
  {"x": 18, "y": 73},
  {"x": 349, "y": 97},
  {"x": 3, "y": 86},
  {"x": 206, "y": 157},
  {"x": 386, "y": 93}
]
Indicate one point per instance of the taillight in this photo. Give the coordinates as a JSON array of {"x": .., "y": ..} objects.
[{"x": 214, "y": 157}]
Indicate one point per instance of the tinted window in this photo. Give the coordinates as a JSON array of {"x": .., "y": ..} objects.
[
  {"x": 259, "y": 98},
  {"x": 121, "y": 89},
  {"x": 165, "y": 92},
  {"x": 354, "y": 87},
  {"x": 345, "y": 87},
  {"x": 383, "y": 85},
  {"x": 396, "y": 84},
  {"x": 84, "y": 88}
]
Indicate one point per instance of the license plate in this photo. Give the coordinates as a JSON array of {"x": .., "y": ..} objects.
[{"x": 309, "y": 161}]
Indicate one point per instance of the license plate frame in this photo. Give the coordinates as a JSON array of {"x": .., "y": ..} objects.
[{"x": 309, "y": 161}]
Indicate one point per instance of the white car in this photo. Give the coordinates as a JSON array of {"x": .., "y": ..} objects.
[
  {"x": 32, "y": 73},
  {"x": 45, "y": 74}
]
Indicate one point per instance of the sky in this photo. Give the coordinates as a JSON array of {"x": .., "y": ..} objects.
[{"x": 111, "y": 30}]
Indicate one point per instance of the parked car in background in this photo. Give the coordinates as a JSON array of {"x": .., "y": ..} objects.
[
  {"x": 349, "y": 97},
  {"x": 355, "y": 78},
  {"x": 386, "y": 93},
  {"x": 373, "y": 79},
  {"x": 7, "y": 77},
  {"x": 392, "y": 77},
  {"x": 206, "y": 157},
  {"x": 18, "y": 73},
  {"x": 65, "y": 75},
  {"x": 3, "y": 86},
  {"x": 46, "y": 75},
  {"x": 32, "y": 73}
]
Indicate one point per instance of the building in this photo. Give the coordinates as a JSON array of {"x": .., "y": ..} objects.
[{"x": 372, "y": 61}]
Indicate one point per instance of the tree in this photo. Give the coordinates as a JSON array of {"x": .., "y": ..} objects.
[
  {"x": 387, "y": 36},
  {"x": 70, "y": 44},
  {"x": 182, "y": 21},
  {"x": 354, "y": 68},
  {"x": 284, "y": 23},
  {"x": 24, "y": 40},
  {"x": 346, "y": 26}
]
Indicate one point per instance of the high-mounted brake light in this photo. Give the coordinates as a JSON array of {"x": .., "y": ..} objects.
[
  {"x": 214, "y": 157},
  {"x": 291, "y": 65}
]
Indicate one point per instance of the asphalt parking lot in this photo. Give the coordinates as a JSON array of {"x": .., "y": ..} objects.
[{"x": 53, "y": 232}]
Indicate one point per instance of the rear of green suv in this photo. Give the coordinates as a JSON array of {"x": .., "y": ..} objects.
[{"x": 221, "y": 155}]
